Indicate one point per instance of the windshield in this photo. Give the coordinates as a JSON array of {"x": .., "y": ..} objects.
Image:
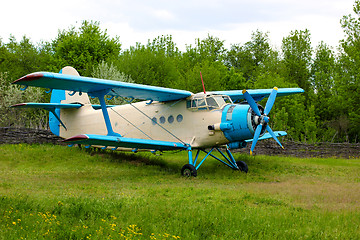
[{"x": 208, "y": 102}]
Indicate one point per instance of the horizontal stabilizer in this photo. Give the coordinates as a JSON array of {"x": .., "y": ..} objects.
[
  {"x": 94, "y": 85},
  {"x": 258, "y": 94},
  {"x": 47, "y": 105},
  {"x": 51, "y": 107},
  {"x": 267, "y": 135},
  {"x": 115, "y": 141}
]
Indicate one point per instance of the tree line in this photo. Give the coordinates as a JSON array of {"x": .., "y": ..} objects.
[{"x": 327, "y": 111}]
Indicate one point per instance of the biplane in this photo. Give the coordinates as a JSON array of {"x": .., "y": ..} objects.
[{"x": 166, "y": 119}]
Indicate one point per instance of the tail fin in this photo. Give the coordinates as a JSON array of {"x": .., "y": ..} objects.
[{"x": 62, "y": 96}]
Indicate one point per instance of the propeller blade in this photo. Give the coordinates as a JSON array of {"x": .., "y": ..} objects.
[
  {"x": 256, "y": 137},
  {"x": 273, "y": 135},
  {"x": 251, "y": 102},
  {"x": 270, "y": 101}
]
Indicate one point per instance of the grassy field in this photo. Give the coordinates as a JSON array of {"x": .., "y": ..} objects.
[{"x": 56, "y": 192}]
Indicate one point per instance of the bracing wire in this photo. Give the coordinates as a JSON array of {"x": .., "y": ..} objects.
[
  {"x": 156, "y": 123},
  {"x": 131, "y": 123}
]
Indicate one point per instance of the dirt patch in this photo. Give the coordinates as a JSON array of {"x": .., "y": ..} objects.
[{"x": 266, "y": 147}]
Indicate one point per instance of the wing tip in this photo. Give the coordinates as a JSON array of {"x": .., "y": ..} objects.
[
  {"x": 18, "y": 105},
  {"x": 29, "y": 77},
  {"x": 77, "y": 138}
]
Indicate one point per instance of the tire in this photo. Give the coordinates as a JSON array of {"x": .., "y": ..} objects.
[
  {"x": 242, "y": 166},
  {"x": 188, "y": 170}
]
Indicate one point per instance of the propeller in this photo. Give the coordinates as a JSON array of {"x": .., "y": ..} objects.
[{"x": 263, "y": 118}]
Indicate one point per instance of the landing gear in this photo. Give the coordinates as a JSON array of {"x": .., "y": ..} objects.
[
  {"x": 188, "y": 170},
  {"x": 194, "y": 163},
  {"x": 242, "y": 166}
]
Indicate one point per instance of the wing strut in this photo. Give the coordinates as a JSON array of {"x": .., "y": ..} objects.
[{"x": 101, "y": 96}]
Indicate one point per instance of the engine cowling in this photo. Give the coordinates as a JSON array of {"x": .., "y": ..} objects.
[{"x": 239, "y": 122}]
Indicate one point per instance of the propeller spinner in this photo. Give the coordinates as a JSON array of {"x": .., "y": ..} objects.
[{"x": 263, "y": 119}]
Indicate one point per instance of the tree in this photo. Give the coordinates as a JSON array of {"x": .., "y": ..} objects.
[
  {"x": 209, "y": 49},
  {"x": 21, "y": 58},
  {"x": 151, "y": 64},
  {"x": 323, "y": 74},
  {"x": 108, "y": 71},
  {"x": 250, "y": 59},
  {"x": 297, "y": 54},
  {"x": 348, "y": 81},
  {"x": 85, "y": 47}
]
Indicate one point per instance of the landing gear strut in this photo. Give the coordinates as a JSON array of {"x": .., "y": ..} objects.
[{"x": 191, "y": 168}]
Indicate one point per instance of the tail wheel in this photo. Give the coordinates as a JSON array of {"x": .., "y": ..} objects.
[
  {"x": 188, "y": 170},
  {"x": 242, "y": 166}
]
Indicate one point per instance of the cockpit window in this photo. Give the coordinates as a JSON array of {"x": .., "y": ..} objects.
[
  {"x": 207, "y": 102},
  {"x": 211, "y": 102},
  {"x": 227, "y": 99}
]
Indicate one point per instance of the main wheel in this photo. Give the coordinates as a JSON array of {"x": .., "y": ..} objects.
[
  {"x": 188, "y": 170},
  {"x": 242, "y": 166}
]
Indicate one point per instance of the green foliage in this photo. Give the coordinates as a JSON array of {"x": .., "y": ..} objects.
[
  {"x": 11, "y": 95},
  {"x": 153, "y": 64},
  {"x": 85, "y": 47},
  {"x": 297, "y": 53},
  {"x": 348, "y": 83},
  {"x": 20, "y": 58},
  {"x": 108, "y": 71},
  {"x": 251, "y": 57}
]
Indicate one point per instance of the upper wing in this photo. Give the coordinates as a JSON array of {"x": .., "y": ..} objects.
[
  {"x": 92, "y": 85},
  {"x": 259, "y": 94}
]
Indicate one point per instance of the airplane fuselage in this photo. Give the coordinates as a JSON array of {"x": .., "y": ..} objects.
[{"x": 176, "y": 121}]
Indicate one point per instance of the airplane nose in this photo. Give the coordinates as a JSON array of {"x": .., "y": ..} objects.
[
  {"x": 264, "y": 119},
  {"x": 240, "y": 122}
]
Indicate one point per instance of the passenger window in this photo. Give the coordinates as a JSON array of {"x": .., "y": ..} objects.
[
  {"x": 179, "y": 118},
  {"x": 154, "y": 121},
  {"x": 162, "y": 119}
]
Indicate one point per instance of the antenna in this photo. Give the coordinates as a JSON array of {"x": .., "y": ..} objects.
[{"x": 202, "y": 81}]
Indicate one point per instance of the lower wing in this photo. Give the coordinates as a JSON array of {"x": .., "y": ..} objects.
[
  {"x": 136, "y": 143},
  {"x": 267, "y": 135}
]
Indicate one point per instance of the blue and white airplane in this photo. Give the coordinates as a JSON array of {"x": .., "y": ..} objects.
[{"x": 168, "y": 119}]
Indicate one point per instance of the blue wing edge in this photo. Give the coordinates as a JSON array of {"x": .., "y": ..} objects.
[
  {"x": 267, "y": 136},
  {"x": 137, "y": 143},
  {"x": 123, "y": 142}
]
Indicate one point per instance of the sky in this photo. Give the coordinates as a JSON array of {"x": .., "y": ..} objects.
[{"x": 232, "y": 21}]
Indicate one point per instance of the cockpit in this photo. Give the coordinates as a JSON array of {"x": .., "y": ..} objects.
[{"x": 207, "y": 102}]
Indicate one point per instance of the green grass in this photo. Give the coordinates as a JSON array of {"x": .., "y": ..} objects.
[{"x": 56, "y": 192}]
